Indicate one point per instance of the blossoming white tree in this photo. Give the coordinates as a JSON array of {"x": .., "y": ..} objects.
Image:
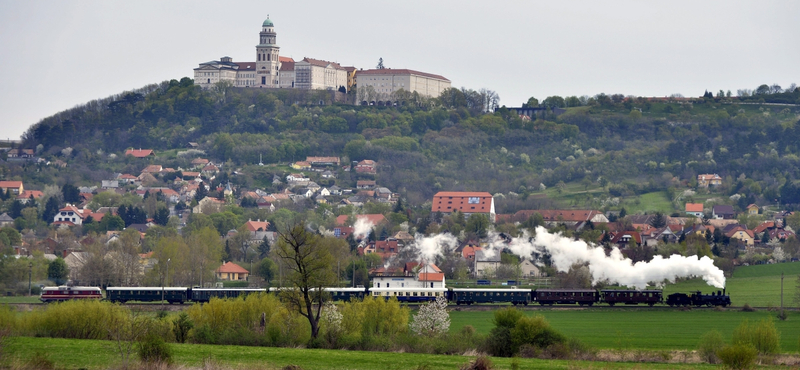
[{"x": 432, "y": 319}]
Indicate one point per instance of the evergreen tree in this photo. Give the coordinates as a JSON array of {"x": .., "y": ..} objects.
[
  {"x": 264, "y": 248},
  {"x": 162, "y": 216},
  {"x": 50, "y": 209},
  {"x": 71, "y": 193},
  {"x": 16, "y": 209}
]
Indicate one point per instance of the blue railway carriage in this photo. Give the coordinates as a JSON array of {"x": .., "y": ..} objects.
[
  {"x": 347, "y": 294},
  {"x": 470, "y": 296},
  {"x": 631, "y": 297},
  {"x": 566, "y": 296},
  {"x": 205, "y": 294},
  {"x": 147, "y": 294},
  {"x": 409, "y": 294}
]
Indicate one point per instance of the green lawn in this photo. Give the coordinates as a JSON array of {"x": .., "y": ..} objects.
[
  {"x": 93, "y": 354},
  {"x": 641, "y": 328},
  {"x": 649, "y": 203},
  {"x": 20, "y": 299}
]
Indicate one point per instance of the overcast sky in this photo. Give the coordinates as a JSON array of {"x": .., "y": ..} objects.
[{"x": 55, "y": 55}]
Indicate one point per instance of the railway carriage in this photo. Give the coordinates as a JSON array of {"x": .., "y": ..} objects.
[
  {"x": 147, "y": 294},
  {"x": 566, "y": 296},
  {"x": 205, "y": 294},
  {"x": 631, "y": 297},
  {"x": 409, "y": 294},
  {"x": 68, "y": 293},
  {"x": 347, "y": 294},
  {"x": 470, "y": 296}
]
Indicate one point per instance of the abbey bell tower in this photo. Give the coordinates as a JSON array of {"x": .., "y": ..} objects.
[{"x": 267, "y": 56}]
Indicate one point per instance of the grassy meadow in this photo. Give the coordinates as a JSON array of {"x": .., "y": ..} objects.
[
  {"x": 643, "y": 328},
  {"x": 96, "y": 354}
]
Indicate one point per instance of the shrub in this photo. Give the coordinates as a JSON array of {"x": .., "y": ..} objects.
[
  {"x": 763, "y": 336},
  {"x": 738, "y": 356},
  {"x": 748, "y": 308},
  {"x": 709, "y": 344},
  {"x": 75, "y": 319},
  {"x": 153, "y": 349},
  {"x": 535, "y": 331},
  {"x": 782, "y": 315},
  {"x": 181, "y": 326},
  {"x": 480, "y": 363}
]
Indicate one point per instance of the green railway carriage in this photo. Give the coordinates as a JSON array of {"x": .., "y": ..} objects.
[
  {"x": 147, "y": 294},
  {"x": 470, "y": 296},
  {"x": 205, "y": 294}
]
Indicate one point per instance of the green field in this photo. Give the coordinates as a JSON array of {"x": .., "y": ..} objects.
[
  {"x": 626, "y": 328},
  {"x": 20, "y": 299},
  {"x": 93, "y": 354},
  {"x": 758, "y": 286}
]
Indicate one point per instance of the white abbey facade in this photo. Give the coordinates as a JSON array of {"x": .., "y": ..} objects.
[
  {"x": 270, "y": 70},
  {"x": 385, "y": 82}
]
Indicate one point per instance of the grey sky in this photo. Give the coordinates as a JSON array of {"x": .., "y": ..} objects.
[{"x": 58, "y": 54}]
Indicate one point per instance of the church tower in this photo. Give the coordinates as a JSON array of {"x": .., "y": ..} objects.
[{"x": 267, "y": 64}]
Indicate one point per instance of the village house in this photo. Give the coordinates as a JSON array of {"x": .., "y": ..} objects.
[
  {"x": 694, "y": 209},
  {"x": 27, "y": 195},
  {"x": 365, "y": 184},
  {"x": 323, "y": 161},
  {"x": 722, "y": 211},
  {"x": 486, "y": 263},
  {"x": 706, "y": 180},
  {"x": 745, "y": 236},
  {"x": 15, "y": 186},
  {"x": 231, "y": 272},
  {"x": 367, "y": 166},
  {"x": 752, "y": 209},
  {"x": 528, "y": 269}
]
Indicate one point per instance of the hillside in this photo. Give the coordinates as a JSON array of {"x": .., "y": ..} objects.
[{"x": 610, "y": 146}]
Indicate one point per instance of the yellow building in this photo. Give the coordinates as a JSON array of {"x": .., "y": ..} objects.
[{"x": 231, "y": 272}]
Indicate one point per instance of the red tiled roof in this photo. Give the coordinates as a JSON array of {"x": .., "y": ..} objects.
[
  {"x": 27, "y": 194},
  {"x": 694, "y": 207},
  {"x": 139, "y": 153},
  {"x": 10, "y": 184},
  {"x": 389, "y": 71},
  {"x": 232, "y": 267},
  {"x": 287, "y": 64},
  {"x": 254, "y": 226},
  {"x": 431, "y": 276}
]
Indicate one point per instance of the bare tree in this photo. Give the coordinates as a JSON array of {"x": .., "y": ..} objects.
[{"x": 308, "y": 260}]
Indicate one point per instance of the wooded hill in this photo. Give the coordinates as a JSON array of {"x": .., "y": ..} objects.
[{"x": 625, "y": 145}]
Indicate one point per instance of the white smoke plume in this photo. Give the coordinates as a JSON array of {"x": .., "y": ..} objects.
[
  {"x": 614, "y": 268},
  {"x": 428, "y": 247},
  {"x": 362, "y": 228}
]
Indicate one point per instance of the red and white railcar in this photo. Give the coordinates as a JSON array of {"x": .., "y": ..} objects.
[{"x": 67, "y": 293}]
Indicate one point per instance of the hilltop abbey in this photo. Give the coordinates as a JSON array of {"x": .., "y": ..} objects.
[{"x": 270, "y": 70}]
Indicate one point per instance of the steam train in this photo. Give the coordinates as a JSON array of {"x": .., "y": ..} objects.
[{"x": 458, "y": 296}]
